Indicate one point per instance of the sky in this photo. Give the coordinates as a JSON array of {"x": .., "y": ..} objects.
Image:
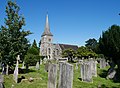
[{"x": 71, "y": 21}]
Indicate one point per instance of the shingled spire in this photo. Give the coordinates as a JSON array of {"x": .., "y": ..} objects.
[{"x": 47, "y": 28}]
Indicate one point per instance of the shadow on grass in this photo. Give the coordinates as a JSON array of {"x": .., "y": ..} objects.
[
  {"x": 103, "y": 74},
  {"x": 23, "y": 71},
  {"x": 80, "y": 79},
  {"x": 20, "y": 79}
]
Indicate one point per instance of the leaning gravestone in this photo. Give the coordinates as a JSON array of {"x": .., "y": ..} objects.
[
  {"x": 52, "y": 76},
  {"x": 1, "y": 81},
  {"x": 86, "y": 72},
  {"x": 37, "y": 66},
  {"x": 15, "y": 75},
  {"x": 65, "y": 75},
  {"x": 102, "y": 63},
  {"x": 111, "y": 74}
]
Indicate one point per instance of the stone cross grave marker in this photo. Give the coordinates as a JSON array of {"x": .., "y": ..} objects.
[{"x": 15, "y": 75}]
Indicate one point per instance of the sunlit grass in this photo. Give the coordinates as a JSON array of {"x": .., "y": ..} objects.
[{"x": 41, "y": 78}]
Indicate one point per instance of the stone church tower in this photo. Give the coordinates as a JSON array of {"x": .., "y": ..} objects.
[{"x": 46, "y": 41}]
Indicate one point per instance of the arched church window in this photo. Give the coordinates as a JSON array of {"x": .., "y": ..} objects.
[
  {"x": 57, "y": 51},
  {"x": 49, "y": 40},
  {"x": 49, "y": 51}
]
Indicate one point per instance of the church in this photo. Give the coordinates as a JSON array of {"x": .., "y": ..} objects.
[{"x": 48, "y": 48}]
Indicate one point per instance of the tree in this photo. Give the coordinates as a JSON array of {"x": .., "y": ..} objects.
[
  {"x": 69, "y": 53},
  {"x": 109, "y": 44},
  {"x": 92, "y": 44},
  {"x": 85, "y": 52},
  {"x": 13, "y": 39},
  {"x": 35, "y": 44},
  {"x": 32, "y": 56}
]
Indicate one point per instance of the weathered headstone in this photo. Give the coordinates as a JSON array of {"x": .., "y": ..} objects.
[
  {"x": 52, "y": 76},
  {"x": 1, "y": 81},
  {"x": 7, "y": 70},
  {"x": 37, "y": 66},
  {"x": 111, "y": 74},
  {"x": 3, "y": 69},
  {"x": 65, "y": 75},
  {"x": 80, "y": 61},
  {"x": 94, "y": 67},
  {"x": 46, "y": 67},
  {"x": 23, "y": 65},
  {"x": 40, "y": 62},
  {"x": 102, "y": 63},
  {"x": 86, "y": 72},
  {"x": 76, "y": 66},
  {"x": 15, "y": 75}
]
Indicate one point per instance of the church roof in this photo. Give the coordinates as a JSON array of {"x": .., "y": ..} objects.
[
  {"x": 47, "y": 28},
  {"x": 66, "y": 46}
]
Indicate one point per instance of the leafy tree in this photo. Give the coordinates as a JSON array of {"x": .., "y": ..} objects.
[
  {"x": 69, "y": 53},
  {"x": 109, "y": 44},
  {"x": 35, "y": 44},
  {"x": 32, "y": 55},
  {"x": 85, "y": 52},
  {"x": 13, "y": 39},
  {"x": 92, "y": 44}
]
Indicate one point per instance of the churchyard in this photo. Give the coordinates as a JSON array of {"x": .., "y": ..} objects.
[{"x": 62, "y": 75}]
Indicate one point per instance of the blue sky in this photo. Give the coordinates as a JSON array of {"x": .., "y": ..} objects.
[{"x": 71, "y": 21}]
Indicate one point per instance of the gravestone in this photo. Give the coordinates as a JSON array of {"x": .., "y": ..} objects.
[
  {"x": 23, "y": 65},
  {"x": 65, "y": 75},
  {"x": 37, "y": 66},
  {"x": 111, "y": 71},
  {"x": 1, "y": 81},
  {"x": 3, "y": 69},
  {"x": 52, "y": 76},
  {"x": 111, "y": 74},
  {"x": 80, "y": 61},
  {"x": 40, "y": 62},
  {"x": 7, "y": 70},
  {"x": 94, "y": 68},
  {"x": 15, "y": 75},
  {"x": 102, "y": 63},
  {"x": 86, "y": 72},
  {"x": 46, "y": 67},
  {"x": 76, "y": 66}
]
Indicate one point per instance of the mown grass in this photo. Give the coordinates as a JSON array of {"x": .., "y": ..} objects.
[{"x": 42, "y": 78}]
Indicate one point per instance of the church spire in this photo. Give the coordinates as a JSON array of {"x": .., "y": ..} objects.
[{"x": 47, "y": 28}]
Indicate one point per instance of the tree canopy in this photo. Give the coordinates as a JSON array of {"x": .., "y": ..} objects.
[
  {"x": 13, "y": 39},
  {"x": 85, "y": 52},
  {"x": 32, "y": 55},
  {"x": 109, "y": 42},
  {"x": 70, "y": 53}
]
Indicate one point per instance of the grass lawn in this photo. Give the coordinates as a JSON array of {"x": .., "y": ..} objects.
[{"x": 42, "y": 77}]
